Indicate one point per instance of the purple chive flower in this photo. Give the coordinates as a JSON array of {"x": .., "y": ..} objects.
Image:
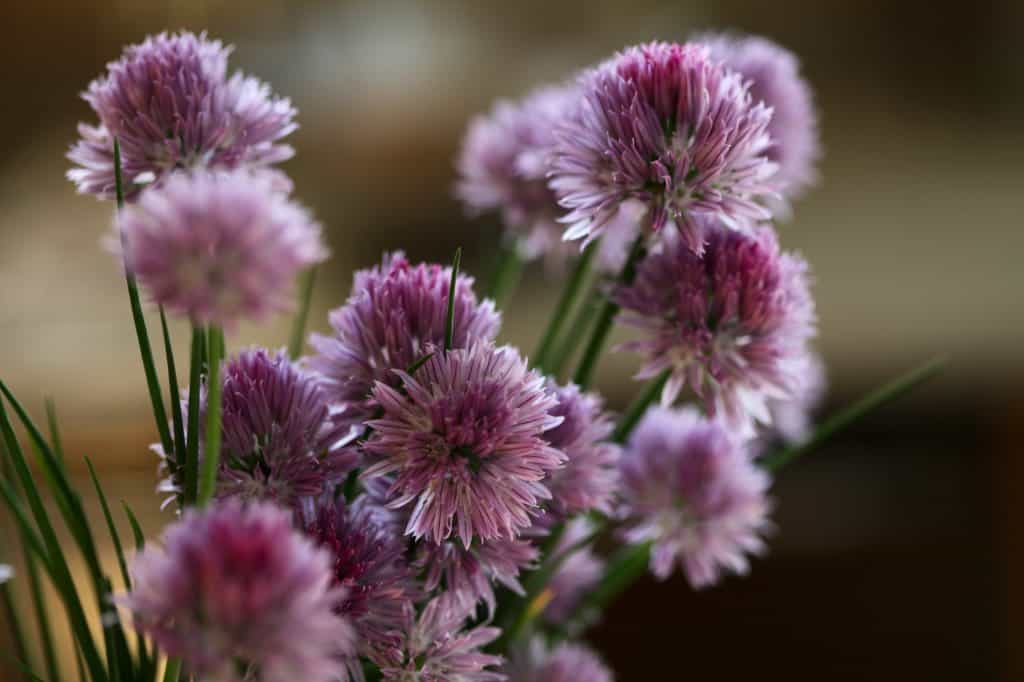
[
  {"x": 590, "y": 475},
  {"x": 219, "y": 246},
  {"x": 692, "y": 490},
  {"x": 468, "y": 574},
  {"x": 368, "y": 561},
  {"x": 576, "y": 576},
  {"x": 774, "y": 75},
  {"x": 791, "y": 418},
  {"x": 437, "y": 649},
  {"x": 171, "y": 105},
  {"x": 732, "y": 324},
  {"x": 664, "y": 124},
  {"x": 238, "y": 594},
  {"x": 465, "y": 443},
  {"x": 396, "y": 312},
  {"x": 567, "y": 662}
]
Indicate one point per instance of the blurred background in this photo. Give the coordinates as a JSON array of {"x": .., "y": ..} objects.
[{"x": 897, "y": 554}]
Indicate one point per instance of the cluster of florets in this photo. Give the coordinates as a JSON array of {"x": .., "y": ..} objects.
[{"x": 377, "y": 502}]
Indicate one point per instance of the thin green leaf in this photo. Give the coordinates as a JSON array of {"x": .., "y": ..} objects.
[
  {"x": 566, "y": 301},
  {"x": 173, "y": 670},
  {"x": 140, "y": 538},
  {"x": 506, "y": 276},
  {"x": 623, "y": 570},
  {"x": 852, "y": 414},
  {"x": 114, "y": 536},
  {"x": 25, "y": 668},
  {"x": 449, "y": 327},
  {"x": 42, "y": 616},
  {"x": 13, "y": 623},
  {"x": 638, "y": 407},
  {"x": 172, "y": 380},
  {"x": 605, "y": 320},
  {"x": 298, "y": 335},
  {"x": 211, "y": 449},
  {"x": 141, "y": 333},
  {"x": 198, "y": 360},
  {"x": 51, "y": 420},
  {"x": 568, "y": 342},
  {"x": 419, "y": 363}
]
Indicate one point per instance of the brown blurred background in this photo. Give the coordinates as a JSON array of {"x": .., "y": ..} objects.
[{"x": 898, "y": 549}]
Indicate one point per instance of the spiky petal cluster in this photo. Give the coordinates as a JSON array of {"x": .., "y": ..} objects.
[
  {"x": 395, "y": 313},
  {"x": 235, "y": 586},
  {"x": 468, "y": 574},
  {"x": 464, "y": 442},
  {"x": 368, "y": 561},
  {"x": 436, "y": 648},
  {"x": 567, "y": 662},
  {"x": 504, "y": 163},
  {"x": 774, "y": 75},
  {"x": 171, "y": 105},
  {"x": 667, "y": 125},
  {"x": 277, "y": 441},
  {"x": 218, "y": 247},
  {"x": 692, "y": 490},
  {"x": 731, "y": 324},
  {"x": 590, "y": 475},
  {"x": 576, "y": 576},
  {"x": 791, "y": 417}
]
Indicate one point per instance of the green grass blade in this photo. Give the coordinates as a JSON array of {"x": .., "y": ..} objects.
[
  {"x": 140, "y": 538},
  {"x": 114, "y": 536},
  {"x": 852, "y": 414},
  {"x": 173, "y": 670},
  {"x": 449, "y": 327},
  {"x": 42, "y": 616},
  {"x": 211, "y": 446},
  {"x": 51, "y": 421},
  {"x": 172, "y": 380},
  {"x": 576, "y": 283},
  {"x": 197, "y": 361},
  {"x": 21, "y": 664},
  {"x": 636, "y": 410},
  {"x": 506, "y": 276},
  {"x": 298, "y": 336},
  {"x": 13, "y": 623}
]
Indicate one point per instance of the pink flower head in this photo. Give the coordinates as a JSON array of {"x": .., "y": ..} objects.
[
  {"x": 238, "y": 594},
  {"x": 576, "y": 576},
  {"x": 692, "y": 490},
  {"x": 170, "y": 104},
  {"x": 590, "y": 475},
  {"x": 732, "y": 324},
  {"x": 667, "y": 125},
  {"x": 437, "y": 649},
  {"x": 775, "y": 80},
  {"x": 464, "y": 439},
  {"x": 504, "y": 166},
  {"x": 395, "y": 313},
  {"x": 218, "y": 247},
  {"x": 468, "y": 574},
  {"x": 567, "y": 662},
  {"x": 792, "y": 417},
  {"x": 368, "y": 562}
]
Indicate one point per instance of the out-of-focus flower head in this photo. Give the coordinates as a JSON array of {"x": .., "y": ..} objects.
[
  {"x": 171, "y": 105},
  {"x": 436, "y": 648},
  {"x": 590, "y": 475},
  {"x": 368, "y": 562},
  {"x": 576, "y": 576},
  {"x": 667, "y": 125},
  {"x": 6, "y": 573},
  {"x": 219, "y": 247},
  {"x": 238, "y": 594},
  {"x": 733, "y": 324},
  {"x": 691, "y": 489},
  {"x": 567, "y": 662},
  {"x": 792, "y": 418},
  {"x": 395, "y": 314},
  {"x": 774, "y": 75},
  {"x": 464, "y": 441},
  {"x": 503, "y": 166},
  {"x": 468, "y": 574}
]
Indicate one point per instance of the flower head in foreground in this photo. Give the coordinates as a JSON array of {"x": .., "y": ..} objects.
[
  {"x": 667, "y": 125},
  {"x": 395, "y": 315},
  {"x": 567, "y": 662},
  {"x": 733, "y": 324},
  {"x": 465, "y": 443},
  {"x": 774, "y": 75},
  {"x": 504, "y": 165},
  {"x": 437, "y": 649},
  {"x": 219, "y": 246},
  {"x": 590, "y": 475},
  {"x": 576, "y": 576},
  {"x": 170, "y": 104},
  {"x": 791, "y": 418},
  {"x": 692, "y": 490},
  {"x": 234, "y": 586},
  {"x": 367, "y": 560},
  {"x": 468, "y": 574}
]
